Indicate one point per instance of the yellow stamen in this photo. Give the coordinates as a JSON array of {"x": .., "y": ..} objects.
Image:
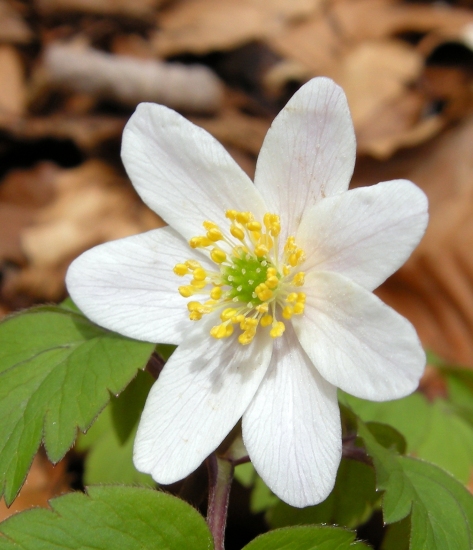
[
  {"x": 246, "y": 337},
  {"x": 287, "y": 312},
  {"x": 243, "y": 217},
  {"x": 218, "y": 256},
  {"x": 277, "y": 330},
  {"x": 199, "y": 274},
  {"x": 214, "y": 235},
  {"x": 181, "y": 270},
  {"x": 216, "y": 293},
  {"x": 237, "y": 232},
  {"x": 250, "y": 286},
  {"x": 261, "y": 250},
  {"x": 227, "y": 314},
  {"x": 231, "y": 214},
  {"x": 272, "y": 282},
  {"x": 299, "y": 278},
  {"x": 263, "y": 292},
  {"x": 266, "y": 320},
  {"x": 253, "y": 226},
  {"x": 186, "y": 291}
]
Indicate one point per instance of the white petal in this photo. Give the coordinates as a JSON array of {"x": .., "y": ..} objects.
[
  {"x": 365, "y": 234},
  {"x": 200, "y": 395},
  {"x": 308, "y": 153},
  {"x": 292, "y": 427},
  {"x": 129, "y": 286},
  {"x": 357, "y": 342},
  {"x": 182, "y": 172}
]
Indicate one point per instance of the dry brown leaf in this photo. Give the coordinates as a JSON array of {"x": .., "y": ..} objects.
[
  {"x": 235, "y": 129},
  {"x": 130, "y": 81},
  {"x": 44, "y": 482},
  {"x": 375, "y": 73},
  {"x": 373, "y": 19},
  {"x": 22, "y": 194},
  {"x": 13, "y": 28},
  {"x": 88, "y": 132},
  {"x": 141, "y": 9},
  {"x": 201, "y": 26},
  {"x": 315, "y": 43},
  {"x": 92, "y": 204},
  {"x": 12, "y": 87}
]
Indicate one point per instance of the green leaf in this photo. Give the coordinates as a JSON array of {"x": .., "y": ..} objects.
[
  {"x": 307, "y": 538},
  {"x": 56, "y": 372},
  {"x": 122, "y": 518},
  {"x": 439, "y": 434},
  {"x": 350, "y": 503},
  {"x": 113, "y": 435},
  {"x": 441, "y": 508}
]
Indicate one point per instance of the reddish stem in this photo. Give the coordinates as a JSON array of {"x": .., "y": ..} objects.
[{"x": 220, "y": 481}]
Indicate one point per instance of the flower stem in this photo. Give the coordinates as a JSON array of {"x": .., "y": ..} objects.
[{"x": 220, "y": 481}]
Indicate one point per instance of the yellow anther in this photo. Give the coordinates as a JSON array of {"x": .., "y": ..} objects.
[
  {"x": 299, "y": 278},
  {"x": 277, "y": 330},
  {"x": 253, "y": 226},
  {"x": 214, "y": 235},
  {"x": 290, "y": 245},
  {"x": 231, "y": 214},
  {"x": 272, "y": 282},
  {"x": 198, "y": 284},
  {"x": 246, "y": 277},
  {"x": 263, "y": 292},
  {"x": 296, "y": 257},
  {"x": 262, "y": 308},
  {"x": 199, "y": 274},
  {"x": 195, "y": 242},
  {"x": 219, "y": 331},
  {"x": 287, "y": 312},
  {"x": 228, "y": 313},
  {"x": 200, "y": 242},
  {"x": 268, "y": 220},
  {"x": 209, "y": 225},
  {"x": 249, "y": 323},
  {"x": 267, "y": 241},
  {"x": 266, "y": 320},
  {"x": 181, "y": 270},
  {"x": 186, "y": 291},
  {"x": 237, "y": 232},
  {"x": 246, "y": 337},
  {"x": 218, "y": 256},
  {"x": 261, "y": 250},
  {"x": 275, "y": 228},
  {"x": 293, "y": 260},
  {"x": 216, "y": 293},
  {"x": 243, "y": 217}
]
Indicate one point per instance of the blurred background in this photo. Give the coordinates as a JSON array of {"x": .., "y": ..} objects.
[{"x": 72, "y": 72}]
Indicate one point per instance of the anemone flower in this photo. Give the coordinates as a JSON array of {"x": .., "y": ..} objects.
[{"x": 266, "y": 288}]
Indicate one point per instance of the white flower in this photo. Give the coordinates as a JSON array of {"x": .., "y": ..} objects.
[{"x": 280, "y": 345}]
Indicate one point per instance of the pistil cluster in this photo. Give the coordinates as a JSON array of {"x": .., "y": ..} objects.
[{"x": 250, "y": 285}]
